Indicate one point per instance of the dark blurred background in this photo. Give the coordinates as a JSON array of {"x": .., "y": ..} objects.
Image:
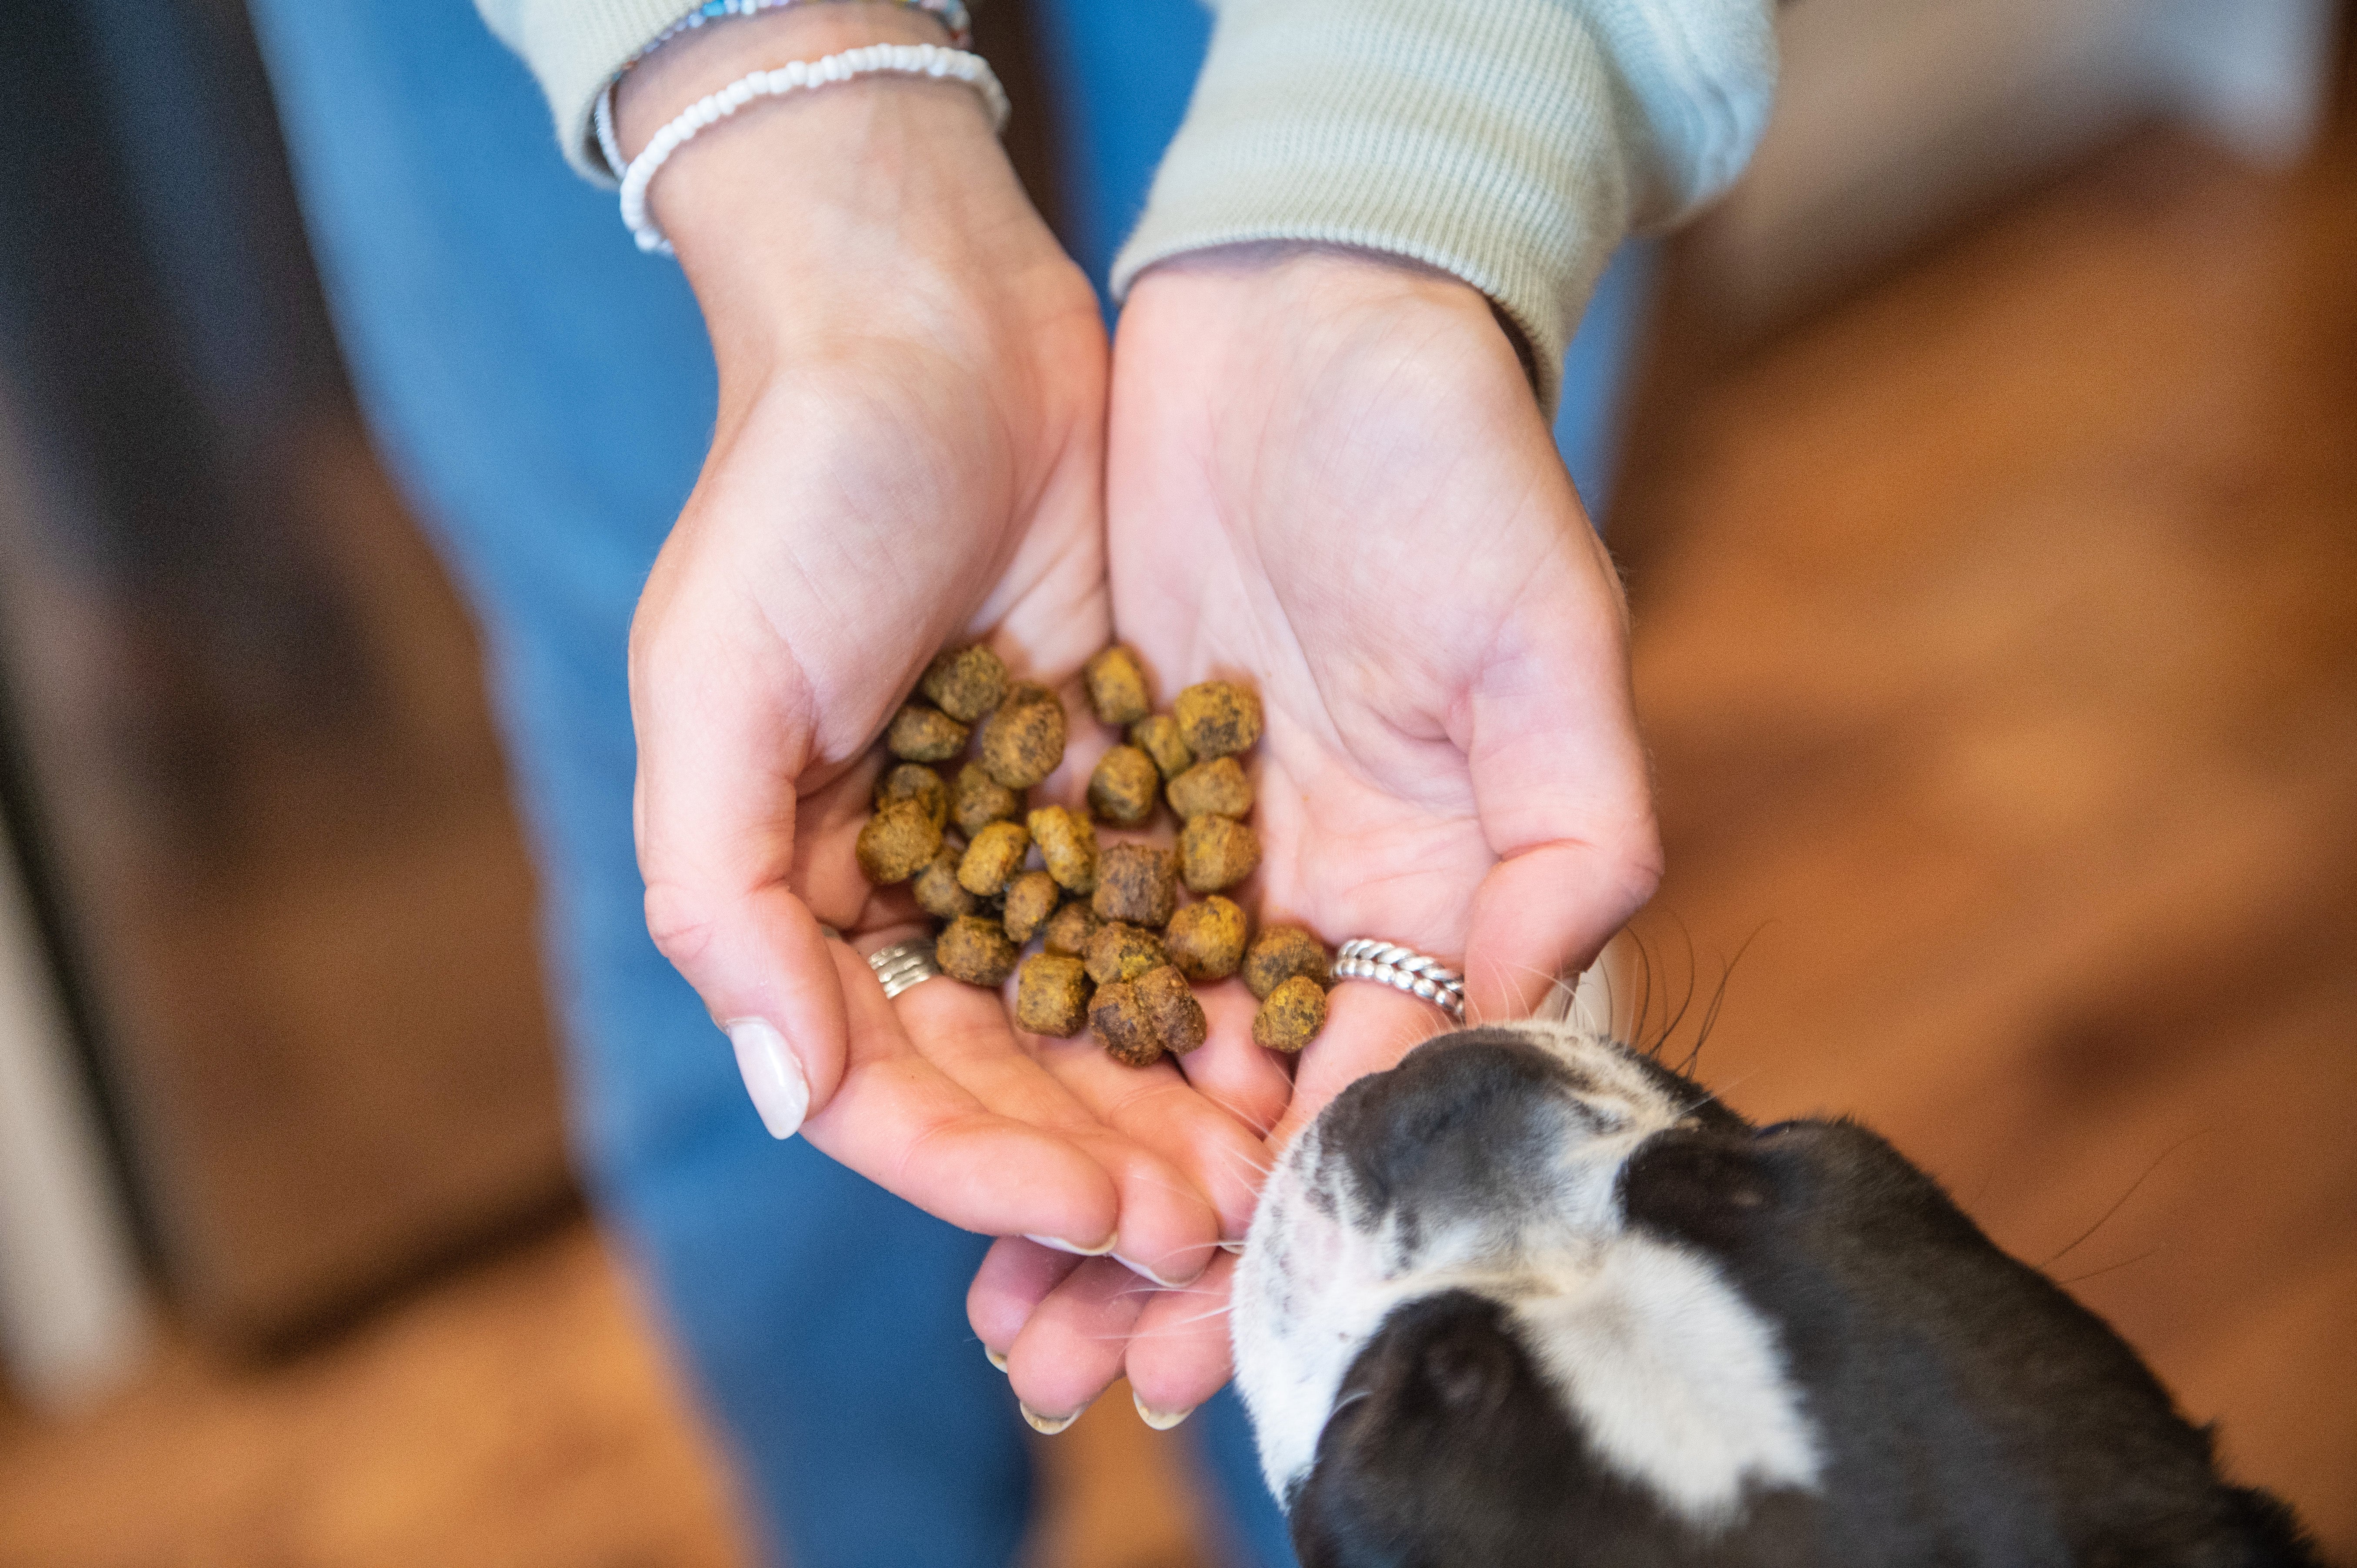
[{"x": 1989, "y": 503}]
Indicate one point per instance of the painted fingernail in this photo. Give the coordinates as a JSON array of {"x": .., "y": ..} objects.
[
  {"x": 1235, "y": 1247},
  {"x": 1047, "y": 1426},
  {"x": 773, "y": 1077},
  {"x": 1142, "y": 1272},
  {"x": 1058, "y": 1244},
  {"x": 1161, "y": 1421},
  {"x": 997, "y": 1358}
]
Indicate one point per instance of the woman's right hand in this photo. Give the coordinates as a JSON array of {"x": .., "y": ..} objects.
[{"x": 908, "y": 457}]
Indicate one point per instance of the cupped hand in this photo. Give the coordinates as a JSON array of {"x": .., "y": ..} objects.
[
  {"x": 1329, "y": 478},
  {"x": 908, "y": 457}
]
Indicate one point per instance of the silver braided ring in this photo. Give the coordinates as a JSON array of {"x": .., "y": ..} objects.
[
  {"x": 1403, "y": 969},
  {"x": 903, "y": 965}
]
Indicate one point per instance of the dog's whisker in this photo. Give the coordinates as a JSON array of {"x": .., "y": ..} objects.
[
  {"x": 2104, "y": 1218},
  {"x": 1247, "y": 1161}
]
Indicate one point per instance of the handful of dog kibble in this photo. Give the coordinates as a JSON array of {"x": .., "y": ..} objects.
[{"x": 1117, "y": 947}]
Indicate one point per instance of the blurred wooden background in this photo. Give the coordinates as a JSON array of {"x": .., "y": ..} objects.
[{"x": 1998, "y": 644}]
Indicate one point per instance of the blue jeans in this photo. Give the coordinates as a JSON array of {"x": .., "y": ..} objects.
[{"x": 546, "y": 393}]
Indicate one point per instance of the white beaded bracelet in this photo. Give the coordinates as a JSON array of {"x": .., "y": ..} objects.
[{"x": 796, "y": 76}]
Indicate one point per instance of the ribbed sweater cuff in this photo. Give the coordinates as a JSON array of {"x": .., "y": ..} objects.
[
  {"x": 1484, "y": 139},
  {"x": 575, "y": 47}
]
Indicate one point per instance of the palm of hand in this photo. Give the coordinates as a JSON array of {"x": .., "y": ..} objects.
[
  {"x": 1328, "y": 478},
  {"x": 929, "y": 481},
  {"x": 946, "y": 520},
  {"x": 1365, "y": 512}
]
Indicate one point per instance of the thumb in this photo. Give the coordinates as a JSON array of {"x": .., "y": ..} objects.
[
  {"x": 715, "y": 805},
  {"x": 1561, "y": 786},
  {"x": 1545, "y": 914}
]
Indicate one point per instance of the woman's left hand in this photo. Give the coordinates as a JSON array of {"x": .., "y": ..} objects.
[{"x": 1327, "y": 478}]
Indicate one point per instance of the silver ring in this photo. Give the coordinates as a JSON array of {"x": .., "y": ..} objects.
[
  {"x": 1403, "y": 969},
  {"x": 904, "y": 964}
]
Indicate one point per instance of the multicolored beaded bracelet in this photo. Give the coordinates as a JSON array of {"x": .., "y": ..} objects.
[{"x": 953, "y": 14}]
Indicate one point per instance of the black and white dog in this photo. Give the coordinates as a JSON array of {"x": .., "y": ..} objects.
[{"x": 1532, "y": 1298}]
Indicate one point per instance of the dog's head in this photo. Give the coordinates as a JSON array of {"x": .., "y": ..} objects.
[{"x": 1532, "y": 1297}]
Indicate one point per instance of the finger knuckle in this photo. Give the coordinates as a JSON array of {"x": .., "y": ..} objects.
[
  {"x": 681, "y": 923},
  {"x": 1630, "y": 860}
]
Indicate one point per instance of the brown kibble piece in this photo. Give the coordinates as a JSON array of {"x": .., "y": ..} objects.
[
  {"x": 1122, "y": 788},
  {"x": 1158, "y": 737},
  {"x": 1217, "y": 718},
  {"x": 1118, "y": 951},
  {"x": 976, "y": 801},
  {"x": 1206, "y": 940},
  {"x": 1051, "y": 995},
  {"x": 1218, "y": 851},
  {"x": 1024, "y": 740},
  {"x": 1171, "y": 1009},
  {"x": 1122, "y": 1025},
  {"x": 966, "y": 682},
  {"x": 1291, "y": 1016},
  {"x": 1213, "y": 789},
  {"x": 995, "y": 854},
  {"x": 1279, "y": 953},
  {"x": 1067, "y": 933},
  {"x": 1030, "y": 899},
  {"x": 924, "y": 734},
  {"x": 1117, "y": 687},
  {"x": 896, "y": 843},
  {"x": 972, "y": 949},
  {"x": 938, "y": 893},
  {"x": 1068, "y": 842},
  {"x": 1138, "y": 883},
  {"x": 915, "y": 781}
]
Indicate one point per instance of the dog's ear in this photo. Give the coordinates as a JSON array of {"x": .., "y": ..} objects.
[
  {"x": 1703, "y": 1186},
  {"x": 1468, "y": 1372},
  {"x": 1442, "y": 1447}
]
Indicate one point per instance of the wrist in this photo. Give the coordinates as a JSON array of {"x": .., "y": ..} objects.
[
  {"x": 854, "y": 209},
  {"x": 707, "y": 59},
  {"x": 1305, "y": 275},
  {"x": 1263, "y": 292}
]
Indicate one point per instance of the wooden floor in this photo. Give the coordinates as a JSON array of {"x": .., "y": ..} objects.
[{"x": 1998, "y": 651}]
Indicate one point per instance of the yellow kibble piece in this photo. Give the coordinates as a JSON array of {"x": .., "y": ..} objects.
[
  {"x": 920, "y": 733},
  {"x": 1279, "y": 953},
  {"x": 1157, "y": 736},
  {"x": 1213, "y": 789},
  {"x": 1125, "y": 786},
  {"x": 896, "y": 843},
  {"x": 1023, "y": 742},
  {"x": 1138, "y": 883},
  {"x": 1051, "y": 995},
  {"x": 973, "y": 949},
  {"x": 966, "y": 682},
  {"x": 1206, "y": 940},
  {"x": 995, "y": 854},
  {"x": 938, "y": 893},
  {"x": 1217, "y": 853},
  {"x": 1291, "y": 1016},
  {"x": 1217, "y": 718},
  {"x": 1117, "y": 685},
  {"x": 1030, "y": 899}
]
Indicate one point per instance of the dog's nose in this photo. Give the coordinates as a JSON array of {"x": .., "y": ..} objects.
[{"x": 1467, "y": 1119}]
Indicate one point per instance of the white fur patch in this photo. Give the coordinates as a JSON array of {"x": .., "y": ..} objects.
[{"x": 1672, "y": 1378}]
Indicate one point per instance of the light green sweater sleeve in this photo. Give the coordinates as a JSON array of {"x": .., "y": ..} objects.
[{"x": 1511, "y": 143}]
